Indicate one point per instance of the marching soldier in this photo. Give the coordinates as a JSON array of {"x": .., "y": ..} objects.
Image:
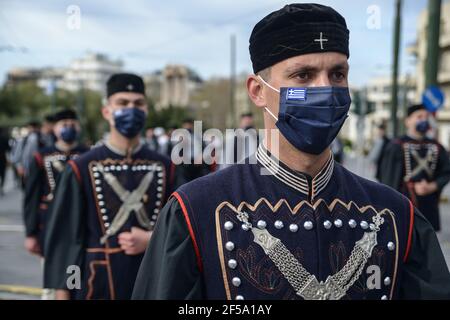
[
  {"x": 292, "y": 223},
  {"x": 45, "y": 169},
  {"x": 107, "y": 203},
  {"x": 417, "y": 166}
]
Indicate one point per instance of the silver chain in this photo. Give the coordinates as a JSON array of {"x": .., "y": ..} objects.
[{"x": 306, "y": 284}]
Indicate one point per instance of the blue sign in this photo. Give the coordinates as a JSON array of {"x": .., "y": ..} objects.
[{"x": 433, "y": 98}]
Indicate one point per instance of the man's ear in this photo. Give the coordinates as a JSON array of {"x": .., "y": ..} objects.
[
  {"x": 106, "y": 113},
  {"x": 407, "y": 121},
  {"x": 255, "y": 91}
]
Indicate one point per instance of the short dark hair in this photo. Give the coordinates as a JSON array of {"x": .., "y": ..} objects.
[
  {"x": 33, "y": 123},
  {"x": 247, "y": 114}
]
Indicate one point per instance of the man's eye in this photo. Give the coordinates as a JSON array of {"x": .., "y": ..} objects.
[
  {"x": 338, "y": 76},
  {"x": 303, "y": 76}
]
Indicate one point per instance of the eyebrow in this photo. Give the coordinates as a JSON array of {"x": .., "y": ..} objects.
[
  {"x": 130, "y": 100},
  {"x": 310, "y": 68}
]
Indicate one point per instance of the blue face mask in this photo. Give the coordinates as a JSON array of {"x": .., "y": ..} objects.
[
  {"x": 422, "y": 126},
  {"x": 69, "y": 134},
  {"x": 129, "y": 121},
  {"x": 310, "y": 118}
]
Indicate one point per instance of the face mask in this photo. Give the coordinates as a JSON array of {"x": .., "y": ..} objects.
[
  {"x": 422, "y": 126},
  {"x": 69, "y": 134},
  {"x": 310, "y": 118},
  {"x": 129, "y": 121}
]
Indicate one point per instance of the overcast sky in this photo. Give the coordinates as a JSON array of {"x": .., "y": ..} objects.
[{"x": 147, "y": 34}]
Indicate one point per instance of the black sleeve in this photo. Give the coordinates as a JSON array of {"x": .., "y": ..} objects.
[
  {"x": 169, "y": 268},
  {"x": 391, "y": 170},
  {"x": 179, "y": 177},
  {"x": 33, "y": 192},
  {"x": 442, "y": 169},
  {"x": 425, "y": 274},
  {"x": 65, "y": 234}
]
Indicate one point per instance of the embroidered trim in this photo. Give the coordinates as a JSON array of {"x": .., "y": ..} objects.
[
  {"x": 294, "y": 210},
  {"x": 191, "y": 230},
  {"x": 294, "y": 179},
  {"x": 411, "y": 224}
]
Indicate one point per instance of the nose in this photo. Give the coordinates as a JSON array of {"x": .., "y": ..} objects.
[{"x": 322, "y": 80}]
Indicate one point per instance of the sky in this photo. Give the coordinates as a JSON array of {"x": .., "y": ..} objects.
[{"x": 148, "y": 34}]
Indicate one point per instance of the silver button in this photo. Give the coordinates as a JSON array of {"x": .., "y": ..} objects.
[
  {"x": 160, "y": 181},
  {"x": 308, "y": 225},
  {"x": 338, "y": 223},
  {"x": 159, "y": 189},
  {"x": 327, "y": 224},
  {"x": 158, "y": 203},
  {"x": 232, "y": 263},
  {"x": 229, "y": 246},
  {"x": 239, "y": 297},
  {"x": 96, "y": 174},
  {"x": 236, "y": 281},
  {"x": 279, "y": 224},
  {"x": 103, "y": 210},
  {"x": 261, "y": 224},
  {"x": 364, "y": 225},
  {"x": 98, "y": 189},
  {"x": 384, "y": 297},
  {"x": 245, "y": 227},
  {"x": 106, "y": 225},
  {"x": 152, "y": 223},
  {"x": 154, "y": 217},
  {"x": 387, "y": 281},
  {"x": 159, "y": 195},
  {"x": 228, "y": 225},
  {"x": 391, "y": 246},
  {"x": 105, "y": 218},
  {"x": 293, "y": 227},
  {"x": 101, "y": 203},
  {"x": 97, "y": 181},
  {"x": 124, "y": 167},
  {"x": 99, "y": 196},
  {"x": 133, "y": 168},
  {"x": 352, "y": 223},
  {"x": 118, "y": 168},
  {"x": 156, "y": 210}
]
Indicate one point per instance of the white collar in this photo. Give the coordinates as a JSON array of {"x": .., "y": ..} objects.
[{"x": 295, "y": 179}]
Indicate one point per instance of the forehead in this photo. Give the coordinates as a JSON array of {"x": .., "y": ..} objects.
[
  {"x": 420, "y": 113},
  {"x": 126, "y": 96},
  {"x": 322, "y": 60},
  {"x": 64, "y": 121}
]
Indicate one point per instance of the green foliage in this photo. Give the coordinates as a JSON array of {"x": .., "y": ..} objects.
[
  {"x": 169, "y": 117},
  {"x": 25, "y": 101}
]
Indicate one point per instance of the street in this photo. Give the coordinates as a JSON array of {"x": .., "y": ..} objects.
[{"x": 21, "y": 273}]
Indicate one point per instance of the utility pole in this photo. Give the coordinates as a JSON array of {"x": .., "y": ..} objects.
[
  {"x": 395, "y": 67},
  {"x": 433, "y": 31},
  {"x": 80, "y": 105},
  {"x": 232, "y": 115}
]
